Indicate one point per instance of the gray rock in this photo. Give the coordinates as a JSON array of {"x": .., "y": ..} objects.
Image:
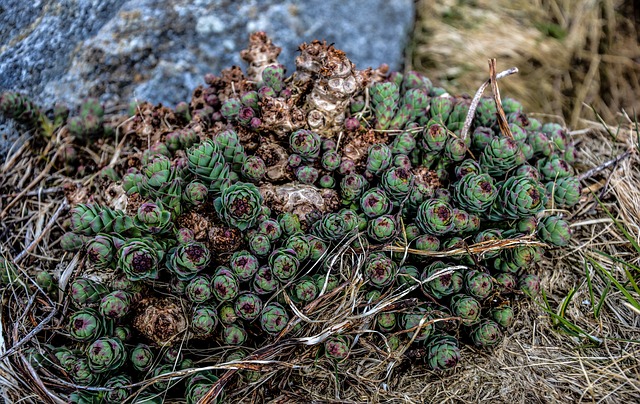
[{"x": 159, "y": 50}]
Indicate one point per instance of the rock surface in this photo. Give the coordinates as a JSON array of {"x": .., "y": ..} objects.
[{"x": 159, "y": 50}]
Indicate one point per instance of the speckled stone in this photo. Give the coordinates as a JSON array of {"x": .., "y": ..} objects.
[{"x": 159, "y": 50}]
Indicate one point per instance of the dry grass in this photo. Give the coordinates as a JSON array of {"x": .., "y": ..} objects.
[{"x": 571, "y": 53}]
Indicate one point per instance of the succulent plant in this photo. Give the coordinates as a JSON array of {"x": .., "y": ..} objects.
[
  {"x": 417, "y": 321},
  {"x": 209, "y": 164},
  {"x": 82, "y": 374},
  {"x": 119, "y": 393},
  {"x": 199, "y": 289},
  {"x": 106, "y": 354},
  {"x": 375, "y": 202},
  {"x": 305, "y": 290},
  {"x": 306, "y": 144},
  {"x": 115, "y": 305},
  {"x": 162, "y": 384},
  {"x": 199, "y": 385},
  {"x": 478, "y": 284},
  {"x": 325, "y": 283},
  {"x": 65, "y": 357},
  {"x": 408, "y": 275},
  {"x": 332, "y": 227},
  {"x": 512, "y": 260},
  {"x": 384, "y": 98},
  {"x": 274, "y": 318},
  {"x": 435, "y": 217},
  {"x": 380, "y": 270},
  {"x": 186, "y": 260},
  {"x": 248, "y": 306},
  {"x": 86, "y": 325},
  {"x": 501, "y": 155},
  {"x": 443, "y": 282},
  {"x": 229, "y": 145},
  {"x": 519, "y": 197},
  {"x": 244, "y": 265},
  {"x": 273, "y": 76},
  {"x": 502, "y": 315},
  {"x": 553, "y": 168},
  {"x": 529, "y": 284},
  {"x": 172, "y": 355},
  {"x": 204, "y": 321},
  {"x": 565, "y": 191},
  {"x": 382, "y": 229},
  {"x": 284, "y": 264},
  {"x": 299, "y": 244},
  {"x": 486, "y": 333},
  {"x": 139, "y": 259},
  {"x": 465, "y": 307},
  {"x": 397, "y": 182},
  {"x": 239, "y": 205},
  {"x": 427, "y": 243},
  {"x": 442, "y": 353},
  {"x": 260, "y": 244},
  {"x": 378, "y": 158},
  {"x": 386, "y": 321},
  {"x": 227, "y": 314},
  {"x": 19, "y": 107},
  {"x": 505, "y": 282},
  {"x": 253, "y": 169},
  {"x": 90, "y": 220},
  {"x": 327, "y": 181},
  {"x": 419, "y": 180},
  {"x": 352, "y": 186},
  {"x": 195, "y": 193},
  {"x": 441, "y": 108},
  {"x": 554, "y": 230},
  {"x": 411, "y": 231},
  {"x": 294, "y": 161},
  {"x": 289, "y": 223},
  {"x": 337, "y": 348},
  {"x": 85, "y": 291},
  {"x": 72, "y": 242},
  {"x": 307, "y": 175},
  {"x": 153, "y": 218},
  {"x": 122, "y": 332},
  {"x": 475, "y": 192},
  {"x": 234, "y": 334},
  {"x": 231, "y": 108},
  {"x": 45, "y": 281}
]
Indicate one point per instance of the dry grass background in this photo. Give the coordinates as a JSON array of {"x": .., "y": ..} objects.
[{"x": 571, "y": 54}]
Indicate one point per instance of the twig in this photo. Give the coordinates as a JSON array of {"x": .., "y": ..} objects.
[
  {"x": 40, "y": 191},
  {"x": 476, "y": 100},
  {"x": 31, "y": 333},
  {"x": 38, "y": 382},
  {"x": 14, "y": 157},
  {"x": 44, "y": 231},
  {"x": 32, "y": 183},
  {"x": 502, "y": 118},
  {"x": 593, "y": 171}
]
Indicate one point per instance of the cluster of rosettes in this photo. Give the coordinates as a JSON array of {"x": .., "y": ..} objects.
[{"x": 406, "y": 173}]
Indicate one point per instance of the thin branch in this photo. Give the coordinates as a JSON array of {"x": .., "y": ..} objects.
[
  {"x": 593, "y": 171},
  {"x": 476, "y": 100},
  {"x": 502, "y": 118},
  {"x": 32, "y": 183},
  {"x": 31, "y": 333},
  {"x": 44, "y": 231}
]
